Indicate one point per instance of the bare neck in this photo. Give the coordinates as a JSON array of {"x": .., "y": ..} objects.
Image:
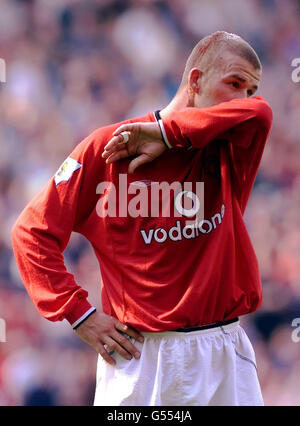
[{"x": 179, "y": 102}]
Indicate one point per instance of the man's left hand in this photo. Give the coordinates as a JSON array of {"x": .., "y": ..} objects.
[{"x": 140, "y": 139}]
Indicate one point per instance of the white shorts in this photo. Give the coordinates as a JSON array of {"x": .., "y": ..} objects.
[{"x": 216, "y": 366}]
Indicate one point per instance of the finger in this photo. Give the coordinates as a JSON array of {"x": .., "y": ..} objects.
[
  {"x": 138, "y": 161},
  {"x": 105, "y": 355},
  {"x": 125, "y": 136},
  {"x": 118, "y": 343},
  {"x": 132, "y": 332},
  {"x": 114, "y": 149},
  {"x": 125, "y": 128},
  {"x": 114, "y": 142},
  {"x": 125, "y": 344},
  {"x": 117, "y": 156}
]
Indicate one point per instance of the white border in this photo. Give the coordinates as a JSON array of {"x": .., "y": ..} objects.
[{"x": 88, "y": 312}]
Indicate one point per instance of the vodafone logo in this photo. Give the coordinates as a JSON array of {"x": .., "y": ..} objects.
[
  {"x": 178, "y": 232},
  {"x": 179, "y": 203}
]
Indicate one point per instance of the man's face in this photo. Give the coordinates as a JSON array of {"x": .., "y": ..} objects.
[{"x": 231, "y": 77}]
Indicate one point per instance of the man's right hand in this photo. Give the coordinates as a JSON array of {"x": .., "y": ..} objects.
[{"x": 104, "y": 334}]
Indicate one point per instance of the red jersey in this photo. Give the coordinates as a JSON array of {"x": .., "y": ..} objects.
[{"x": 158, "y": 274}]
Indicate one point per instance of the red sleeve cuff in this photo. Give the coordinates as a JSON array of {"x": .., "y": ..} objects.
[
  {"x": 172, "y": 135},
  {"x": 167, "y": 133},
  {"x": 79, "y": 311}
]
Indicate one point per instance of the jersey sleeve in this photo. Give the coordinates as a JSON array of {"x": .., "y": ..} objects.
[
  {"x": 197, "y": 127},
  {"x": 42, "y": 232},
  {"x": 243, "y": 123},
  {"x": 245, "y": 158}
]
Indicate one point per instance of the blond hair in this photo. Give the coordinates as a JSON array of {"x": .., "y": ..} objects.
[{"x": 207, "y": 51}]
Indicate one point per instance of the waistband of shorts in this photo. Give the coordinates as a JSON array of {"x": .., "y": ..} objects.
[
  {"x": 221, "y": 326},
  {"x": 206, "y": 327}
]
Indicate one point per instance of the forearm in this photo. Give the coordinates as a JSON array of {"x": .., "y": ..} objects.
[
  {"x": 52, "y": 288},
  {"x": 198, "y": 127}
]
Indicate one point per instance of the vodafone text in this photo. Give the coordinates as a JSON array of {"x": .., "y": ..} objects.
[{"x": 177, "y": 232}]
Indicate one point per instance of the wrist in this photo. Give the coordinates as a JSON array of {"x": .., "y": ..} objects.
[
  {"x": 83, "y": 318},
  {"x": 79, "y": 313},
  {"x": 164, "y": 137}
]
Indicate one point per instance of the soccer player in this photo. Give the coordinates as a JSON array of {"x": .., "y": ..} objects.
[{"x": 172, "y": 293}]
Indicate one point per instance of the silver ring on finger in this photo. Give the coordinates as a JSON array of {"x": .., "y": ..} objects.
[
  {"x": 108, "y": 350},
  {"x": 125, "y": 136}
]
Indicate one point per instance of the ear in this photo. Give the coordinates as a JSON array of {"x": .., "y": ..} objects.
[{"x": 194, "y": 81}]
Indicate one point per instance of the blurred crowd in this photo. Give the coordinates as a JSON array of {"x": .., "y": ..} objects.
[{"x": 73, "y": 66}]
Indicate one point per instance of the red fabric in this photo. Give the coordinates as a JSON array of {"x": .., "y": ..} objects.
[{"x": 155, "y": 277}]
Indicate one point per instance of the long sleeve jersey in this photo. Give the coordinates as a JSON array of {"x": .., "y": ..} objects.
[{"x": 158, "y": 272}]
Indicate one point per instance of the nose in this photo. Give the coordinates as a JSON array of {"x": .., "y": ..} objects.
[{"x": 243, "y": 93}]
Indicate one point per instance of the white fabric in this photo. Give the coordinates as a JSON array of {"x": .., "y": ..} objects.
[{"x": 205, "y": 367}]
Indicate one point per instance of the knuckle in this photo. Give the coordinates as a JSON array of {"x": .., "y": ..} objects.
[
  {"x": 104, "y": 355},
  {"x": 113, "y": 346},
  {"x": 102, "y": 352},
  {"x": 123, "y": 340},
  {"x": 118, "y": 324}
]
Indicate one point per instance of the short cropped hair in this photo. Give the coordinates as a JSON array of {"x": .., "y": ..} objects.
[{"x": 206, "y": 50}]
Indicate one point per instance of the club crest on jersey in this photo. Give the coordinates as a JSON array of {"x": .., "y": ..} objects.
[{"x": 66, "y": 170}]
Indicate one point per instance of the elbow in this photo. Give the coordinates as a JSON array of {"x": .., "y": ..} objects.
[
  {"x": 19, "y": 232},
  {"x": 16, "y": 235},
  {"x": 264, "y": 114}
]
